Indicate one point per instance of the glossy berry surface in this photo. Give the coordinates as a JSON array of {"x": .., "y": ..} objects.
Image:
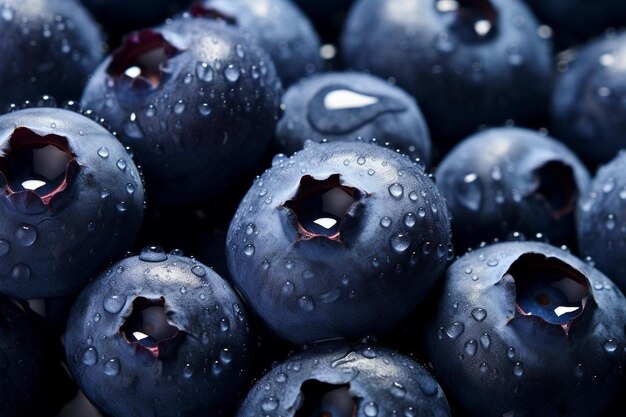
[
  {"x": 348, "y": 106},
  {"x": 587, "y": 110},
  {"x": 72, "y": 201},
  {"x": 510, "y": 179},
  {"x": 532, "y": 326},
  {"x": 343, "y": 380},
  {"x": 341, "y": 240},
  {"x": 53, "y": 46},
  {"x": 601, "y": 218},
  {"x": 476, "y": 61},
  {"x": 163, "y": 332},
  {"x": 21, "y": 360},
  {"x": 280, "y": 28},
  {"x": 197, "y": 102}
]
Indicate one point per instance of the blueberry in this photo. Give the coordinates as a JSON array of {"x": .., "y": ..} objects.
[
  {"x": 21, "y": 361},
  {"x": 511, "y": 179},
  {"x": 159, "y": 335},
  {"x": 280, "y": 28},
  {"x": 347, "y": 106},
  {"x": 341, "y": 240},
  {"x": 468, "y": 62},
  {"x": 580, "y": 17},
  {"x": 527, "y": 329},
  {"x": 50, "y": 47},
  {"x": 587, "y": 105},
  {"x": 343, "y": 380},
  {"x": 197, "y": 102},
  {"x": 601, "y": 217},
  {"x": 72, "y": 201}
]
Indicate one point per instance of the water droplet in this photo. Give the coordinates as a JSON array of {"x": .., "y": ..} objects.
[
  {"x": 471, "y": 346},
  {"x": 121, "y": 164},
  {"x": 103, "y": 152},
  {"x": 510, "y": 353},
  {"x": 248, "y": 250},
  {"x": 151, "y": 111},
  {"x": 396, "y": 190},
  {"x": 485, "y": 341},
  {"x": 7, "y": 13},
  {"x": 479, "y": 314},
  {"x": 226, "y": 356},
  {"x": 385, "y": 222},
  {"x": 104, "y": 194},
  {"x": 20, "y": 271},
  {"x": 484, "y": 367},
  {"x": 427, "y": 248},
  {"x": 198, "y": 271},
  {"x": 5, "y": 247},
  {"x": 610, "y": 345},
  {"x": 610, "y": 222},
  {"x": 204, "y": 109},
  {"x": 121, "y": 206},
  {"x": 130, "y": 189},
  {"x": 288, "y": 288},
  {"x": 371, "y": 172},
  {"x": 410, "y": 219},
  {"x": 204, "y": 72},
  {"x": 370, "y": 409},
  {"x": 281, "y": 377},
  {"x": 270, "y": 404},
  {"x": 152, "y": 254},
  {"x": 306, "y": 303},
  {"x": 400, "y": 242},
  {"x": 455, "y": 329},
  {"x": 90, "y": 356},
  {"x": 131, "y": 127},
  {"x": 492, "y": 262},
  {"x": 25, "y": 234},
  {"x": 231, "y": 72},
  {"x": 397, "y": 390},
  {"x": 360, "y": 160},
  {"x": 114, "y": 303},
  {"x": 187, "y": 371},
  {"x": 224, "y": 325},
  {"x": 518, "y": 369},
  {"x": 421, "y": 212},
  {"x": 470, "y": 192},
  {"x": 179, "y": 107},
  {"x": 413, "y": 196},
  {"x": 241, "y": 53},
  {"x": 112, "y": 367}
]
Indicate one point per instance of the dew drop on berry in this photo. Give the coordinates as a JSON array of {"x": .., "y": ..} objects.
[
  {"x": 114, "y": 303},
  {"x": 90, "y": 356},
  {"x": 26, "y": 234},
  {"x": 112, "y": 367},
  {"x": 152, "y": 254},
  {"x": 5, "y": 247}
]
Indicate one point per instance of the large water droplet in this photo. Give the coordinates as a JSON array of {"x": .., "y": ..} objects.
[
  {"x": 204, "y": 72},
  {"x": 396, "y": 190},
  {"x": 400, "y": 242},
  {"x": 471, "y": 346},
  {"x": 385, "y": 222},
  {"x": 26, "y": 234},
  {"x": 305, "y": 302},
  {"x": 397, "y": 390},
  {"x": 610, "y": 345},
  {"x": 198, "y": 271},
  {"x": 455, "y": 329},
  {"x": 270, "y": 404},
  {"x": 112, "y": 367},
  {"x": 479, "y": 314},
  {"x": 152, "y": 254},
  {"x": 103, "y": 152},
  {"x": 518, "y": 369},
  {"x": 248, "y": 250},
  {"x": 90, "y": 356},
  {"x": 114, "y": 303},
  {"x": 231, "y": 72},
  {"x": 370, "y": 409},
  {"x": 20, "y": 271}
]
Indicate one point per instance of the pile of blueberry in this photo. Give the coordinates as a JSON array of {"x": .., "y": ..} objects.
[{"x": 396, "y": 208}]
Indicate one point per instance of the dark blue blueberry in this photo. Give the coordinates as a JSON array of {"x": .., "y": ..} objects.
[
  {"x": 280, "y": 28},
  {"x": 343, "y": 380},
  {"x": 468, "y": 62},
  {"x": 197, "y": 102},
  {"x": 588, "y": 110},
  {"x": 50, "y": 47},
  {"x": 341, "y": 240},
  {"x": 601, "y": 220},
  {"x": 349, "y": 106},
  {"x": 580, "y": 17},
  {"x": 71, "y": 201},
  {"x": 21, "y": 361},
  {"x": 159, "y": 335},
  {"x": 510, "y": 179},
  {"x": 527, "y": 329}
]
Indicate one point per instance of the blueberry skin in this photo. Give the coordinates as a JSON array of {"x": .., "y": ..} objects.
[
  {"x": 493, "y": 361},
  {"x": 281, "y": 29},
  {"x": 209, "y": 119},
  {"x": 587, "y": 111},
  {"x": 381, "y": 382},
  {"x": 392, "y": 244},
  {"x": 199, "y": 373},
  {"x": 580, "y": 17},
  {"x": 452, "y": 70},
  {"x": 600, "y": 217},
  {"x": 511, "y": 179},
  {"x": 21, "y": 361},
  {"x": 53, "y": 248},
  {"x": 54, "y": 46},
  {"x": 374, "y": 110}
]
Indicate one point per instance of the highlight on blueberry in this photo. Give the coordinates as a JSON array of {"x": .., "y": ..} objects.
[
  {"x": 346, "y": 380},
  {"x": 349, "y": 107},
  {"x": 196, "y": 100},
  {"x": 531, "y": 325},
  {"x": 340, "y": 240},
  {"x": 72, "y": 201},
  {"x": 163, "y": 331},
  {"x": 511, "y": 179}
]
